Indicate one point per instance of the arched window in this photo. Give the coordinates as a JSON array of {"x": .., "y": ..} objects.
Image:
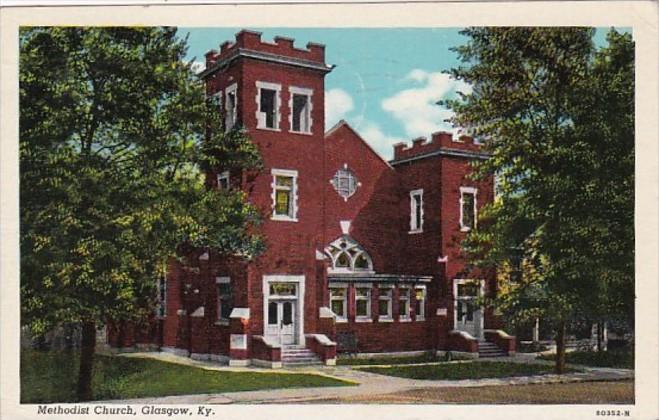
[{"x": 348, "y": 256}]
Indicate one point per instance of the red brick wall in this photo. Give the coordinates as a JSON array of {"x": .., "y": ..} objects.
[
  {"x": 379, "y": 212},
  {"x": 373, "y": 208}
]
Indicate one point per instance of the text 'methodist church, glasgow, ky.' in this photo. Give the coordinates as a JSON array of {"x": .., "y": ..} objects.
[{"x": 363, "y": 254}]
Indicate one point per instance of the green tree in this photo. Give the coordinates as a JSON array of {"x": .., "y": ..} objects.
[
  {"x": 113, "y": 148},
  {"x": 557, "y": 115}
]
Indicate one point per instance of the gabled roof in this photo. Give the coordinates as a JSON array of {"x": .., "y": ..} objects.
[{"x": 344, "y": 124}]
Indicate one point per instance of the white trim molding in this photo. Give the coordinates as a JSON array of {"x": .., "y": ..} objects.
[
  {"x": 474, "y": 192},
  {"x": 240, "y": 313},
  {"x": 325, "y": 312},
  {"x": 260, "y": 116},
  {"x": 294, "y": 90},
  {"x": 292, "y": 216}
]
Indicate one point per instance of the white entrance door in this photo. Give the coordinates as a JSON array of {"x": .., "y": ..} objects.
[
  {"x": 468, "y": 314},
  {"x": 281, "y": 321}
]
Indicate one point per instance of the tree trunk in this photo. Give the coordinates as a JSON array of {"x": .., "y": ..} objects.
[
  {"x": 87, "y": 349},
  {"x": 560, "y": 348},
  {"x": 599, "y": 336}
]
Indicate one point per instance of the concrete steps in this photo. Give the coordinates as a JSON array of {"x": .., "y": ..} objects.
[
  {"x": 487, "y": 349},
  {"x": 298, "y": 356}
]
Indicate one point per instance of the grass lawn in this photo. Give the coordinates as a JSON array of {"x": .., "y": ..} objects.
[
  {"x": 463, "y": 370},
  {"x": 51, "y": 377},
  {"x": 403, "y": 360},
  {"x": 619, "y": 392},
  {"x": 621, "y": 358}
]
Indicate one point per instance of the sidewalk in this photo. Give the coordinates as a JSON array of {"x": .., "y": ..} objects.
[{"x": 370, "y": 384}]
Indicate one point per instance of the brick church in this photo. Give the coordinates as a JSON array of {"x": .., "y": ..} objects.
[{"x": 363, "y": 254}]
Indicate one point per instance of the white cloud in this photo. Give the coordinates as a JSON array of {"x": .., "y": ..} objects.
[
  {"x": 376, "y": 138},
  {"x": 338, "y": 103},
  {"x": 198, "y": 66},
  {"x": 416, "y": 108}
]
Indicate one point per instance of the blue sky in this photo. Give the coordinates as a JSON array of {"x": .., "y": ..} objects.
[{"x": 386, "y": 81}]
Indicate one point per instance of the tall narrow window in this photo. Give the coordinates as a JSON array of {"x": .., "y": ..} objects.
[
  {"x": 420, "y": 303},
  {"x": 223, "y": 180},
  {"x": 416, "y": 211},
  {"x": 385, "y": 304},
  {"x": 404, "y": 303},
  {"x": 267, "y": 99},
  {"x": 224, "y": 301},
  {"x": 300, "y": 107},
  {"x": 215, "y": 101},
  {"x": 467, "y": 208},
  {"x": 231, "y": 110},
  {"x": 162, "y": 296},
  {"x": 284, "y": 195},
  {"x": 363, "y": 303},
  {"x": 339, "y": 302}
]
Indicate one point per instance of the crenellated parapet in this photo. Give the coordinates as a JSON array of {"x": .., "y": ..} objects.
[
  {"x": 249, "y": 43},
  {"x": 440, "y": 141}
]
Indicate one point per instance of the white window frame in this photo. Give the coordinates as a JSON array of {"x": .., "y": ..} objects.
[
  {"x": 474, "y": 192},
  {"x": 294, "y": 90},
  {"x": 388, "y": 295},
  {"x": 422, "y": 315},
  {"x": 340, "y": 286},
  {"x": 218, "y": 281},
  {"x": 294, "y": 194},
  {"x": 260, "y": 116},
  {"x": 406, "y": 317},
  {"x": 229, "y": 123},
  {"x": 369, "y": 313},
  {"x": 416, "y": 226},
  {"x": 221, "y": 177}
]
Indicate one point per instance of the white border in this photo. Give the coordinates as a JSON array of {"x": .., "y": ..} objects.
[{"x": 641, "y": 16}]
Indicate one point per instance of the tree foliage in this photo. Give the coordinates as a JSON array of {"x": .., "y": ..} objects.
[
  {"x": 557, "y": 116},
  {"x": 113, "y": 149}
]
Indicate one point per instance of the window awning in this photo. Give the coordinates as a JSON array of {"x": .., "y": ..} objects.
[{"x": 378, "y": 278}]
